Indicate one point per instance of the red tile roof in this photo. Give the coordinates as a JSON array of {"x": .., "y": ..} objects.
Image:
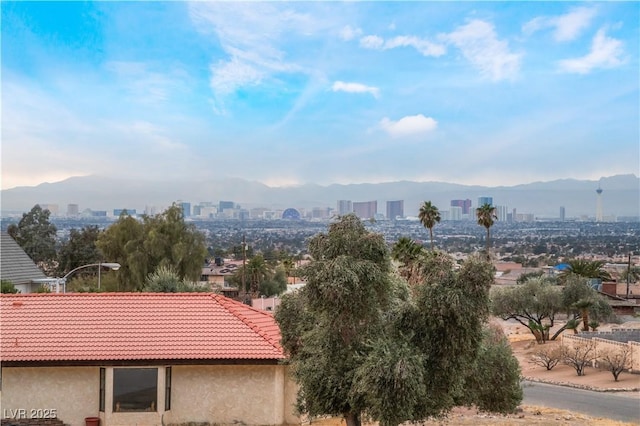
[{"x": 134, "y": 326}]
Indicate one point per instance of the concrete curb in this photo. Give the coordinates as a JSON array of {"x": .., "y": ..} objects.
[{"x": 577, "y": 386}]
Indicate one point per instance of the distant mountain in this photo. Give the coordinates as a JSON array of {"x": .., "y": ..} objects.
[{"x": 620, "y": 197}]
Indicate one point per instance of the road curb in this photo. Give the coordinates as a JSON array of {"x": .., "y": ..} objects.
[{"x": 577, "y": 386}]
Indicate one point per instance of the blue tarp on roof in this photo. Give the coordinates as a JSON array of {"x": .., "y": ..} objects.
[{"x": 562, "y": 266}]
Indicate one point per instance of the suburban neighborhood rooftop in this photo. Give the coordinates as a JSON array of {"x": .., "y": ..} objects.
[{"x": 71, "y": 327}]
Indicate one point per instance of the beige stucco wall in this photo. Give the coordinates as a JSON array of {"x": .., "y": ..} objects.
[
  {"x": 222, "y": 395},
  {"x": 72, "y": 391},
  {"x": 231, "y": 394}
]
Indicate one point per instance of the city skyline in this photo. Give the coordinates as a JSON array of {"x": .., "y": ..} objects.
[
  {"x": 619, "y": 197},
  {"x": 476, "y": 93}
]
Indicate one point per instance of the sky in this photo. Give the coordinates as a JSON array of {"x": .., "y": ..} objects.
[{"x": 480, "y": 93}]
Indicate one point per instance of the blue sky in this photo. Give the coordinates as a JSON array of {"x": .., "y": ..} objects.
[{"x": 487, "y": 93}]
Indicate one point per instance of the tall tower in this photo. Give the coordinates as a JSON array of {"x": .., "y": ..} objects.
[{"x": 599, "y": 215}]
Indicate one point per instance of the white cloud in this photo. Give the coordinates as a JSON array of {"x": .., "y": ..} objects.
[
  {"x": 425, "y": 47},
  {"x": 606, "y": 52},
  {"x": 226, "y": 77},
  {"x": 372, "y": 42},
  {"x": 341, "y": 86},
  {"x": 480, "y": 45},
  {"x": 566, "y": 27},
  {"x": 251, "y": 34},
  {"x": 408, "y": 126},
  {"x": 349, "y": 33}
]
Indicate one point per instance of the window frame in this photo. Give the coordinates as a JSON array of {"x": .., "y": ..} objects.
[
  {"x": 167, "y": 388},
  {"x": 103, "y": 390},
  {"x": 116, "y": 403}
]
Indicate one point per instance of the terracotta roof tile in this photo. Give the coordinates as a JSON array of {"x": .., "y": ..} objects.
[{"x": 134, "y": 326}]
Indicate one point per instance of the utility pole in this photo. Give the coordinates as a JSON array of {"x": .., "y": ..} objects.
[
  {"x": 244, "y": 263},
  {"x": 628, "y": 274}
]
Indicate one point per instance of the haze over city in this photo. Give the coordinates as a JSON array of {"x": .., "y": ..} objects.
[{"x": 477, "y": 93}]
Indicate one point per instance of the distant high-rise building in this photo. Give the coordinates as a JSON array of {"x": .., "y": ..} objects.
[
  {"x": 395, "y": 209},
  {"x": 320, "y": 213},
  {"x": 344, "y": 207},
  {"x": 72, "y": 210},
  {"x": 599, "y": 211},
  {"x": 365, "y": 209},
  {"x": 226, "y": 205},
  {"x": 53, "y": 208},
  {"x": 455, "y": 213},
  {"x": 562, "y": 213},
  {"x": 465, "y": 205},
  {"x": 502, "y": 212},
  {"x": 186, "y": 208},
  {"x": 485, "y": 200}
]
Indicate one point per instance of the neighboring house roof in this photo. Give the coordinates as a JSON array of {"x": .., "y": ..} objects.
[
  {"x": 76, "y": 327},
  {"x": 16, "y": 265}
]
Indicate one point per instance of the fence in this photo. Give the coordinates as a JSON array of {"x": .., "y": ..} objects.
[{"x": 604, "y": 345}]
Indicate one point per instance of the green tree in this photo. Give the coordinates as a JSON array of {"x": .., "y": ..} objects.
[
  {"x": 36, "y": 235},
  {"x": 276, "y": 284},
  {"x": 429, "y": 215},
  {"x": 166, "y": 280},
  {"x": 486, "y": 215},
  {"x": 585, "y": 268},
  {"x": 80, "y": 249},
  {"x": 533, "y": 304},
  {"x": 361, "y": 342},
  {"x": 8, "y": 287},
  {"x": 142, "y": 247},
  {"x": 407, "y": 252},
  {"x": 495, "y": 368},
  {"x": 122, "y": 242}
]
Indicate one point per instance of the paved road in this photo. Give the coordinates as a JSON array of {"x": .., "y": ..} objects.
[{"x": 597, "y": 404}]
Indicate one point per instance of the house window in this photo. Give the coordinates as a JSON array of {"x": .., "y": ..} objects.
[
  {"x": 135, "y": 389},
  {"x": 167, "y": 389},
  {"x": 103, "y": 382}
]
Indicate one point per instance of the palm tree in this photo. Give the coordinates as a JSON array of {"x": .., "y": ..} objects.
[
  {"x": 407, "y": 252},
  {"x": 429, "y": 215},
  {"x": 585, "y": 268},
  {"x": 486, "y": 215},
  {"x": 583, "y": 305}
]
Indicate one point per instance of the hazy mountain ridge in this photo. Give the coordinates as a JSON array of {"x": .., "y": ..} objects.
[{"x": 621, "y": 195}]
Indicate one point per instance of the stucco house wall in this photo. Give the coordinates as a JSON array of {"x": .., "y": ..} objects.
[
  {"x": 73, "y": 392},
  {"x": 214, "y": 394},
  {"x": 226, "y": 394}
]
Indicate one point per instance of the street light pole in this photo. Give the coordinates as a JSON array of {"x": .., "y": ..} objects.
[{"x": 100, "y": 265}]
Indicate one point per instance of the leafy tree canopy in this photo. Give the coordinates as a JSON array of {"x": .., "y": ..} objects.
[
  {"x": 36, "y": 235},
  {"x": 585, "y": 268},
  {"x": 535, "y": 304},
  {"x": 362, "y": 343},
  {"x": 166, "y": 280},
  {"x": 80, "y": 249},
  {"x": 141, "y": 247}
]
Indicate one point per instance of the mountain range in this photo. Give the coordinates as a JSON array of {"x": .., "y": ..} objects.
[{"x": 620, "y": 196}]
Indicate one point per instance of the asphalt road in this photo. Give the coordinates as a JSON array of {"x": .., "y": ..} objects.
[{"x": 597, "y": 404}]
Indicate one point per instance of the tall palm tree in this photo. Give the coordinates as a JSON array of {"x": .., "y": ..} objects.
[
  {"x": 486, "y": 215},
  {"x": 429, "y": 215},
  {"x": 585, "y": 268},
  {"x": 407, "y": 252}
]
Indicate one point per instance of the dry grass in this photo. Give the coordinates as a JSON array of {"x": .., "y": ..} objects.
[{"x": 530, "y": 415}]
